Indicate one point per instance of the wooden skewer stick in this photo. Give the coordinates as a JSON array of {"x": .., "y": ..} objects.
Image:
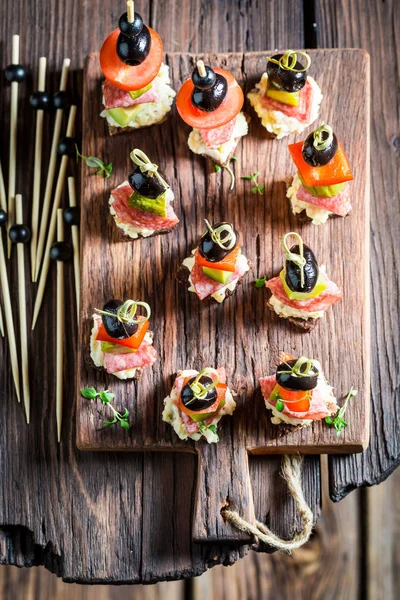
[
  {"x": 9, "y": 318},
  {"x": 131, "y": 11},
  {"x": 22, "y": 313},
  {"x": 1, "y": 323},
  {"x": 51, "y": 172},
  {"x": 53, "y": 221},
  {"x": 60, "y": 327},
  {"x": 3, "y": 205},
  {"x": 201, "y": 68},
  {"x": 37, "y": 172},
  {"x": 13, "y": 141},
  {"x": 75, "y": 244}
]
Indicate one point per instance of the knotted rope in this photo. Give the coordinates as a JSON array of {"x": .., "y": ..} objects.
[
  {"x": 292, "y": 474},
  {"x": 146, "y": 166}
]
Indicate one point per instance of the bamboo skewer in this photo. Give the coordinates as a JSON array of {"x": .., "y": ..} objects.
[
  {"x": 201, "y": 68},
  {"x": 13, "y": 140},
  {"x": 53, "y": 221},
  {"x": 3, "y": 205},
  {"x": 51, "y": 172},
  {"x": 9, "y": 319},
  {"x": 22, "y": 312},
  {"x": 75, "y": 244},
  {"x": 37, "y": 167},
  {"x": 60, "y": 327},
  {"x": 130, "y": 10}
]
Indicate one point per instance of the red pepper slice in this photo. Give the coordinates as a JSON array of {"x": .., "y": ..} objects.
[
  {"x": 296, "y": 401},
  {"x": 123, "y": 76},
  {"x": 132, "y": 342},
  {"x": 228, "y": 110},
  {"x": 226, "y": 264},
  {"x": 336, "y": 171}
]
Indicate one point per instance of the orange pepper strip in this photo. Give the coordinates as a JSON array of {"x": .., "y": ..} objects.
[
  {"x": 336, "y": 171},
  {"x": 226, "y": 264},
  {"x": 132, "y": 342},
  {"x": 296, "y": 401}
]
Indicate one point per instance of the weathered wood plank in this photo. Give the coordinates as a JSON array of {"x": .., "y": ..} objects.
[{"x": 372, "y": 26}]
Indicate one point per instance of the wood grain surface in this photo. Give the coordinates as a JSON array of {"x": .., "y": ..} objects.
[{"x": 54, "y": 501}]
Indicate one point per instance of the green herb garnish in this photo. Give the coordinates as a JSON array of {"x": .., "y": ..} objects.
[
  {"x": 337, "y": 421},
  {"x": 217, "y": 168},
  {"x": 259, "y": 283},
  {"x": 231, "y": 173},
  {"x": 257, "y": 189},
  {"x": 279, "y": 406},
  {"x": 203, "y": 427},
  {"x": 106, "y": 397},
  {"x": 95, "y": 163}
]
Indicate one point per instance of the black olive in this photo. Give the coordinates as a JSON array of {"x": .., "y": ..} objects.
[
  {"x": 15, "y": 73},
  {"x": 60, "y": 251},
  {"x": 211, "y": 98},
  {"x": 198, "y": 404},
  {"x": 204, "y": 83},
  {"x": 71, "y": 215},
  {"x": 148, "y": 186},
  {"x": 291, "y": 382},
  {"x": 61, "y": 100},
  {"x": 293, "y": 275},
  {"x": 210, "y": 250},
  {"x": 283, "y": 79},
  {"x": 130, "y": 29},
  {"x": 317, "y": 158},
  {"x": 40, "y": 101},
  {"x": 66, "y": 147},
  {"x": 133, "y": 51},
  {"x": 113, "y": 326},
  {"x": 3, "y": 217},
  {"x": 19, "y": 234}
]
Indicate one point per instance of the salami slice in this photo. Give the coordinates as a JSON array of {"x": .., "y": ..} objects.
[
  {"x": 204, "y": 286},
  {"x": 116, "y": 98},
  {"x": 214, "y": 138},
  {"x": 139, "y": 218},
  {"x": 328, "y": 297},
  {"x": 145, "y": 356},
  {"x": 318, "y": 408},
  {"x": 302, "y": 112},
  {"x": 339, "y": 205}
]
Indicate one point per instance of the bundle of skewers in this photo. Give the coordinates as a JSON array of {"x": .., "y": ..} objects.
[{"x": 45, "y": 235}]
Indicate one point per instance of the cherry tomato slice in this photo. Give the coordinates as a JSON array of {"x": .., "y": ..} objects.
[
  {"x": 295, "y": 401},
  {"x": 123, "y": 76},
  {"x": 131, "y": 342},
  {"x": 227, "y": 111},
  {"x": 221, "y": 391}
]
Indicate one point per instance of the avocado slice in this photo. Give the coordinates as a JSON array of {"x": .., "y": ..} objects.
[
  {"x": 124, "y": 115},
  {"x": 275, "y": 395},
  {"x": 319, "y": 287},
  {"x": 115, "y": 348},
  {"x": 157, "y": 206},
  {"x": 323, "y": 191},
  {"x": 135, "y": 94},
  {"x": 217, "y": 275},
  {"x": 291, "y": 98}
]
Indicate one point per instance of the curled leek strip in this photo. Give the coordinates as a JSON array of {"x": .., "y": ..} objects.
[
  {"x": 297, "y": 259},
  {"x": 126, "y": 313},
  {"x": 298, "y": 369},
  {"x": 216, "y": 235},
  {"x": 146, "y": 166},
  {"x": 291, "y": 55},
  {"x": 199, "y": 390},
  {"x": 319, "y": 142}
]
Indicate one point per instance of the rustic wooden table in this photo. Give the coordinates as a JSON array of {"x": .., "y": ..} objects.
[{"x": 127, "y": 518}]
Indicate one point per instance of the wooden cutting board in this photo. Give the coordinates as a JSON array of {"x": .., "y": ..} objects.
[{"x": 241, "y": 334}]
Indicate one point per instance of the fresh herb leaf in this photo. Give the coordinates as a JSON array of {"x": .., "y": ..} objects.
[
  {"x": 217, "y": 168},
  {"x": 259, "y": 283},
  {"x": 337, "y": 421},
  {"x": 258, "y": 188},
  {"x": 95, "y": 163},
  {"x": 233, "y": 157},
  {"x": 213, "y": 428},
  {"x": 124, "y": 424},
  {"x": 89, "y": 393},
  {"x": 108, "y": 423},
  {"x": 106, "y": 396}
]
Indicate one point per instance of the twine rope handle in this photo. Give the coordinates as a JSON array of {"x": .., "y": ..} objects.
[
  {"x": 146, "y": 166},
  {"x": 292, "y": 474}
]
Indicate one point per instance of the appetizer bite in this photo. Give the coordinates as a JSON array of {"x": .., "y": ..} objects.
[
  {"x": 298, "y": 393},
  {"x": 286, "y": 99},
  {"x": 137, "y": 91},
  {"x": 141, "y": 207},
  {"x": 120, "y": 341},
  {"x": 197, "y": 402},
  {"x": 302, "y": 292},
  {"x": 217, "y": 265},
  {"x": 318, "y": 190},
  {"x": 211, "y": 103}
]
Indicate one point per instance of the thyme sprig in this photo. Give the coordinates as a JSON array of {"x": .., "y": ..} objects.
[
  {"x": 106, "y": 398},
  {"x": 260, "y": 282},
  {"x": 258, "y": 188},
  {"x": 95, "y": 163},
  {"x": 338, "y": 421}
]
